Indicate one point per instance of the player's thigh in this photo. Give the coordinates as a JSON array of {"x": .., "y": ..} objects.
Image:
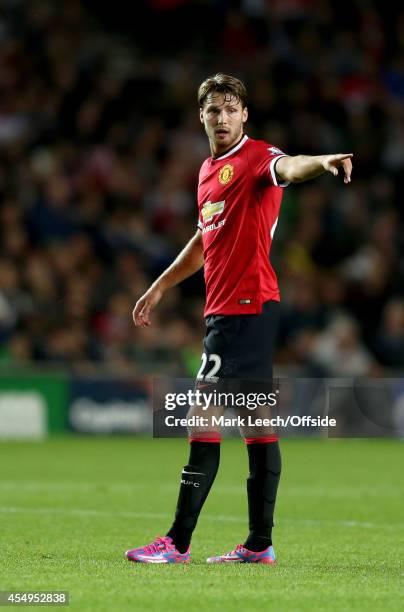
[{"x": 219, "y": 359}]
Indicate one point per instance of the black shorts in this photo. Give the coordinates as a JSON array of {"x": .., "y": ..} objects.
[{"x": 240, "y": 347}]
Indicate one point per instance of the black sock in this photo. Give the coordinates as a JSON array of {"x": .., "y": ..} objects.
[
  {"x": 262, "y": 485},
  {"x": 196, "y": 481}
]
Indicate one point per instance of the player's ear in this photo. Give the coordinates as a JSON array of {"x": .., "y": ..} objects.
[
  {"x": 245, "y": 114},
  {"x": 201, "y": 115}
]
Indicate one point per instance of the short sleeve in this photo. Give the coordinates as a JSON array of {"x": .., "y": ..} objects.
[{"x": 263, "y": 159}]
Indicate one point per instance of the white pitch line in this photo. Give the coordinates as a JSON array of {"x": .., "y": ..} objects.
[
  {"x": 208, "y": 517},
  {"x": 80, "y": 512},
  {"x": 384, "y": 489}
]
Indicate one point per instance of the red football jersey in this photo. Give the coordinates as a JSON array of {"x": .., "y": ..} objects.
[{"x": 239, "y": 199}]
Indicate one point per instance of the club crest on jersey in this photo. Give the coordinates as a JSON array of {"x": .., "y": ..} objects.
[
  {"x": 226, "y": 173},
  {"x": 212, "y": 208}
]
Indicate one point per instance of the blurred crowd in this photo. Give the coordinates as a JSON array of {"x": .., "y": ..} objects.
[{"x": 100, "y": 148}]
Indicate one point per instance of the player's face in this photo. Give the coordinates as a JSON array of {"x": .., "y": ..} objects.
[{"x": 223, "y": 118}]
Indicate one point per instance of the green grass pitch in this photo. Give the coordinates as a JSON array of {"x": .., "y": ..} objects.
[{"x": 70, "y": 507}]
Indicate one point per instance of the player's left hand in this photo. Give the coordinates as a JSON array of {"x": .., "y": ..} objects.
[{"x": 331, "y": 163}]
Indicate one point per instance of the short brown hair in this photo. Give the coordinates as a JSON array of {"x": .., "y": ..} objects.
[{"x": 225, "y": 84}]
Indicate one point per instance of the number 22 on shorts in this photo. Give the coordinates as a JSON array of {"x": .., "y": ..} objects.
[{"x": 215, "y": 360}]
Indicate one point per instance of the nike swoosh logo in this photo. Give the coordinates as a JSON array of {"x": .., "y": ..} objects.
[{"x": 196, "y": 473}]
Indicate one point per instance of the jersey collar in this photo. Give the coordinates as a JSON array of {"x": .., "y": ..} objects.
[{"x": 233, "y": 149}]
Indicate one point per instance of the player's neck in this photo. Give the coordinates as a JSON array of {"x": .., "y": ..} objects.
[{"x": 219, "y": 151}]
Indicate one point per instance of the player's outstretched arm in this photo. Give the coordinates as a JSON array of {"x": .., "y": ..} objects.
[
  {"x": 304, "y": 167},
  {"x": 189, "y": 261}
]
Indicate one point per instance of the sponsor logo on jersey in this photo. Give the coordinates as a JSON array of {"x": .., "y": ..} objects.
[
  {"x": 209, "y": 228},
  {"x": 210, "y": 209},
  {"x": 226, "y": 173}
]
